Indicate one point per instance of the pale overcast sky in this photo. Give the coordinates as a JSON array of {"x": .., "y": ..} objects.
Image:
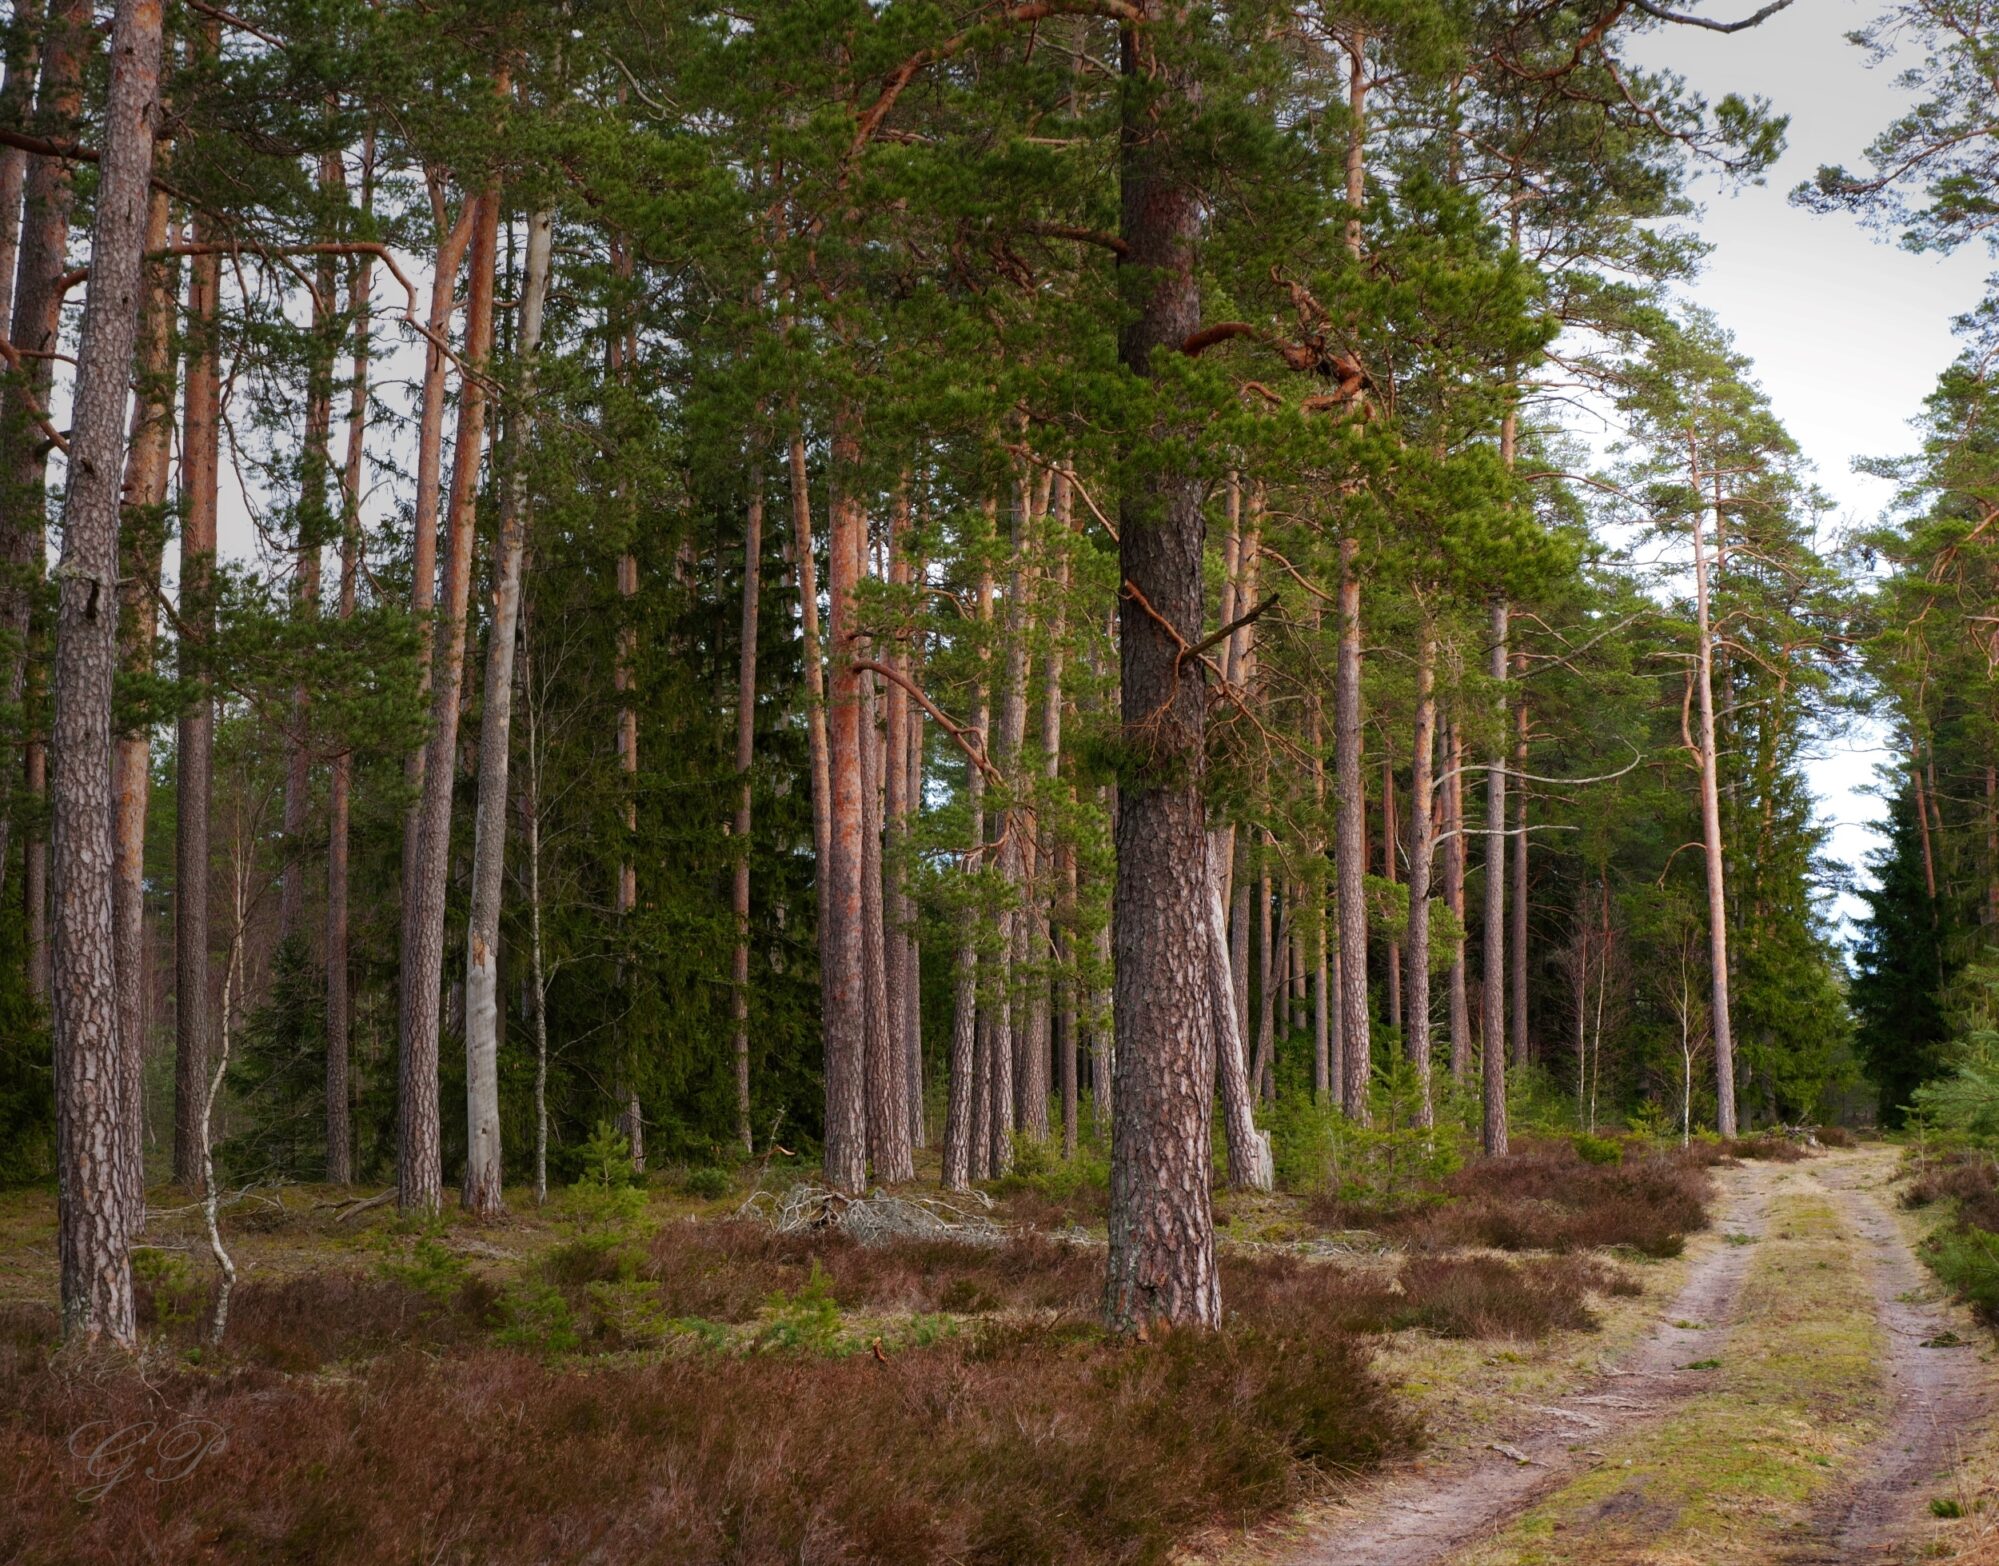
[{"x": 1847, "y": 329}]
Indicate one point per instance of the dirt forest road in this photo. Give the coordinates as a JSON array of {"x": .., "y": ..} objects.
[{"x": 1803, "y": 1397}]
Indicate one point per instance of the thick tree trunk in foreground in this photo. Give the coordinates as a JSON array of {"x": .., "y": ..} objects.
[
  {"x": 1717, "y": 903},
  {"x": 419, "y": 1171},
  {"x": 483, "y": 1166},
  {"x": 1350, "y": 844},
  {"x": 1493, "y": 1046},
  {"x": 1162, "y": 1243},
  {"x": 90, "y": 1092},
  {"x": 146, "y": 471},
  {"x": 1422, "y": 850}
]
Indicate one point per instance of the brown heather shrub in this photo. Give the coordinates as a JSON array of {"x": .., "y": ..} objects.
[
  {"x": 1543, "y": 1197},
  {"x": 1768, "y": 1146},
  {"x": 1836, "y": 1136},
  {"x": 1023, "y": 1443},
  {"x": 1969, "y": 1179}
]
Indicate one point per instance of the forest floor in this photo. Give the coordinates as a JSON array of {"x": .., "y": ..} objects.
[
  {"x": 1798, "y": 1392},
  {"x": 1676, "y": 1358}
]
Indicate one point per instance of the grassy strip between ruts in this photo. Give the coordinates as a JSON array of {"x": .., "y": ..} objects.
[{"x": 1795, "y": 1396}]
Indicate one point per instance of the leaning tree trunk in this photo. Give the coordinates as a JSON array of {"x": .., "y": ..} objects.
[
  {"x": 419, "y": 1161},
  {"x": 1250, "y": 1163},
  {"x": 1493, "y": 1046},
  {"x": 1350, "y": 843},
  {"x": 146, "y": 464},
  {"x": 1162, "y": 1242},
  {"x": 1717, "y": 904},
  {"x": 1421, "y": 851},
  {"x": 483, "y": 1165},
  {"x": 96, "y": 1267}
]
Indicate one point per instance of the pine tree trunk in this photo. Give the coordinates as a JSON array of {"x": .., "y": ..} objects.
[
  {"x": 896, "y": 704},
  {"x": 429, "y": 492},
  {"x": 484, "y": 1167},
  {"x": 96, "y": 1268},
  {"x": 1421, "y": 852},
  {"x": 1717, "y": 904},
  {"x": 1324, "y": 1083},
  {"x": 146, "y": 471},
  {"x": 340, "y": 781},
  {"x": 1493, "y": 1045},
  {"x": 1350, "y": 843},
  {"x": 746, "y": 740},
  {"x": 1390, "y": 841},
  {"x": 24, "y": 51},
  {"x": 1516, "y": 953},
  {"x": 888, "y": 1074},
  {"x": 843, "y": 910},
  {"x": 1016, "y": 863},
  {"x": 912, "y": 999},
  {"x": 419, "y": 1171},
  {"x": 1455, "y": 855},
  {"x": 314, "y": 470},
  {"x": 1162, "y": 1254},
  {"x": 35, "y": 324},
  {"x": 965, "y": 1127},
  {"x": 194, "y": 748}
]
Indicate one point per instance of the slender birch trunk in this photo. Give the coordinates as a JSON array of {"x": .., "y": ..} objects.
[
  {"x": 483, "y": 1164},
  {"x": 966, "y": 1115},
  {"x": 91, "y": 1228}
]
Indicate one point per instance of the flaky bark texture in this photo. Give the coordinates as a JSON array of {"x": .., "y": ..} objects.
[
  {"x": 1493, "y": 1045},
  {"x": 1161, "y": 1254},
  {"x": 90, "y": 1093},
  {"x": 843, "y": 945},
  {"x": 1350, "y": 845},
  {"x": 483, "y": 1167},
  {"x": 419, "y": 1158},
  {"x": 144, "y": 524}
]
